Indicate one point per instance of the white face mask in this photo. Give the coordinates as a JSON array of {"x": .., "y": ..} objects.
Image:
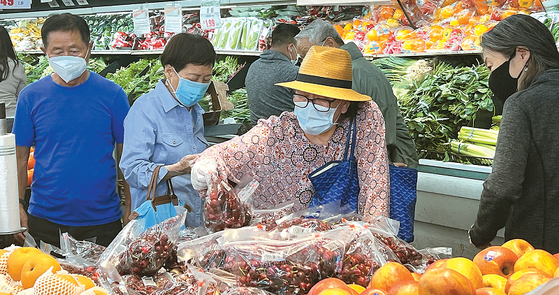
[
  {"x": 297, "y": 56},
  {"x": 68, "y": 67}
]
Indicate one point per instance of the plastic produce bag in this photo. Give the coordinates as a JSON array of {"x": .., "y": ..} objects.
[
  {"x": 286, "y": 267},
  {"x": 185, "y": 281},
  {"x": 140, "y": 251},
  {"x": 245, "y": 291},
  {"x": 85, "y": 251},
  {"x": 204, "y": 252},
  {"x": 235, "y": 34},
  {"x": 267, "y": 217},
  {"x": 227, "y": 208}
]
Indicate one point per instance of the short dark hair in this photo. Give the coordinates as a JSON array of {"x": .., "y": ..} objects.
[
  {"x": 523, "y": 30},
  {"x": 65, "y": 22},
  {"x": 184, "y": 49},
  {"x": 284, "y": 34}
]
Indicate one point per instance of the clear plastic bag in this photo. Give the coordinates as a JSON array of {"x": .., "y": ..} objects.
[
  {"x": 226, "y": 207},
  {"x": 140, "y": 251},
  {"x": 286, "y": 267},
  {"x": 362, "y": 256},
  {"x": 204, "y": 252},
  {"x": 245, "y": 291},
  {"x": 186, "y": 281},
  {"x": 86, "y": 250},
  {"x": 267, "y": 218}
]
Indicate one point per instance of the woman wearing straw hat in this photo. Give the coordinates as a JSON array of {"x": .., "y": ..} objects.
[{"x": 281, "y": 152}]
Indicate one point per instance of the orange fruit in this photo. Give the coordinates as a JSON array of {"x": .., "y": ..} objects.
[
  {"x": 68, "y": 278},
  {"x": 35, "y": 266},
  {"x": 83, "y": 280},
  {"x": 31, "y": 161},
  {"x": 17, "y": 259},
  {"x": 29, "y": 177},
  {"x": 357, "y": 288}
]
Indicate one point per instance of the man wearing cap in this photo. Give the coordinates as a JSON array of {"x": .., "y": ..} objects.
[
  {"x": 281, "y": 152},
  {"x": 368, "y": 80}
]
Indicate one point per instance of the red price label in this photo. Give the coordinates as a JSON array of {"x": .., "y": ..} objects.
[
  {"x": 7, "y": 2},
  {"x": 210, "y": 23}
]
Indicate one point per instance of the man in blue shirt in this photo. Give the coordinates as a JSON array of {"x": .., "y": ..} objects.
[{"x": 74, "y": 118}]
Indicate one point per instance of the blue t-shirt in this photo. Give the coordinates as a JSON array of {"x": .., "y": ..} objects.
[{"x": 74, "y": 130}]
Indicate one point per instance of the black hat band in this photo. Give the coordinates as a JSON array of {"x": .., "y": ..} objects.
[{"x": 324, "y": 81}]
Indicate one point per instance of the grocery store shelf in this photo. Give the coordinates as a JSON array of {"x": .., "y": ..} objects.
[
  {"x": 127, "y": 8},
  {"x": 257, "y": 53},
  {"x": 424, "y": 54},
  {"x": 153, "y": 52}
]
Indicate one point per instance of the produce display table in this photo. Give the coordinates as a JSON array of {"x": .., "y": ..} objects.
[{"x": 447, "y": 203}]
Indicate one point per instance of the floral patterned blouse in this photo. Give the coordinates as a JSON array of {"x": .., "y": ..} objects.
[{"x": 279, "y": 156}]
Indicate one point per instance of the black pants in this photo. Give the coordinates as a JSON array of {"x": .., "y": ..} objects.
[{"x": 49, "y": 232}]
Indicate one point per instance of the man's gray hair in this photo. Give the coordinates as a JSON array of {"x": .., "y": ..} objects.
[{"x": 318, "y": 31}]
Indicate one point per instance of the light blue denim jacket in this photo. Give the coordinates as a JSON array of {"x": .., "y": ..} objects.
[{"x": 160, "y": 131}]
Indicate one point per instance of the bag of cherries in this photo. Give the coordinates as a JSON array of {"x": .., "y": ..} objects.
[
  {"x": 285, "y": 266},
  {"x": 140, "y": 251},
  {"x": 228, "y": 207}
]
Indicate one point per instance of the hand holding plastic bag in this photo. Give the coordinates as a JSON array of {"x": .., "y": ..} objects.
[{"x": 203, "y": 173}]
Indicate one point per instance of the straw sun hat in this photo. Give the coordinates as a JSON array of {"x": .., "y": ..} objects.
[{"x": 326, "y": 71}]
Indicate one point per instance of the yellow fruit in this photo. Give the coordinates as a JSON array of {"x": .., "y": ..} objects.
[
  {"x": 83, "y": 280},
  {"x": 68, "y": 278},
  {"x": 357, "y": 288},
  {"x": 18, "y": 258},
  {"x": 35, "y": 266}
]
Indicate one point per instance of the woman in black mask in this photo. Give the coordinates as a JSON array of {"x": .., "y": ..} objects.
[{"x": 522, "y": 192}]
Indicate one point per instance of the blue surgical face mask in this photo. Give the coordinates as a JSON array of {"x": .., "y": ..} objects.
[
  {"x": 189, "y": 92},
  {"x": 312, "y": 121}
]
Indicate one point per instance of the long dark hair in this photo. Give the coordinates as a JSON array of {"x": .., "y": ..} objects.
[
  {"x": 6, "y": 51},
  {"x": 523, "y": 30}
]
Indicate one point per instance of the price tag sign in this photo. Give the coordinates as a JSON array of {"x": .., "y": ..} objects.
[
  {"x": 68, "y": 2},
  {"x": 141, "y": 21},
  {"x": 210, "y": 16},
  {"x": 173, "y": 19},
  {"x": 15, "y": 4}
]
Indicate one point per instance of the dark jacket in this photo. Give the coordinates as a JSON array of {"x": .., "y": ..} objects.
[
  {"x": 369, "y": 80},
  {"x": 522, "y": 192},
  {"x": 265, "y": 98}
]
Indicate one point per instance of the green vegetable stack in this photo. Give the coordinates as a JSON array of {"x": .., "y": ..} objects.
[{"x": 436, "y": 104}]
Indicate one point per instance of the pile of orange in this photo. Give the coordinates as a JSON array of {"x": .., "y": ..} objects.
[
  {"x": 514, "y": 268},
  {"x": 42, "y": 272}
]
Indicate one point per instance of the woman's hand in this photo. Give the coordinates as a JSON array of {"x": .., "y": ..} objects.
[
  {"x": 179, "y": 168},
  {"x": 203, "y": 173}
]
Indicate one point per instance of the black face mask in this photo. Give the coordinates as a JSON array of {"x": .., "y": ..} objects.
[{"x": 501, "y": 82}]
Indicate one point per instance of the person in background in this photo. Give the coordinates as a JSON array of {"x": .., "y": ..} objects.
[
  {"x": 368, "y": 80},
  {"x": 74, "y": 118},
  {"x": 274, "y": 66},
  {"x": 12, "y": 73},
  {"x": 522, "y": 191},
  {"x": 281, "y": 152},
  {"x": 166, "y": 124}
]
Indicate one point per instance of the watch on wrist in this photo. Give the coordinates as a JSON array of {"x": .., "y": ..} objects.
[{"x": 23, "y": 202}]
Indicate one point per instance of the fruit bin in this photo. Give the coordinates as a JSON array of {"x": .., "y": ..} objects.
[{"x": 447, "y": 202}]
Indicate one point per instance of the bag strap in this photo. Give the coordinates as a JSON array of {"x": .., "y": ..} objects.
[
  {"x": 352, "y": 127},
  {"x": 152, "y": 188}
]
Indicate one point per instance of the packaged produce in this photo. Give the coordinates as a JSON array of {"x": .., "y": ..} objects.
[
  {"x": 140, "y": 251},
  {"x": 285, "y": 267},
  {"x": 186, "y": 281},
  {"x": 225, "y": 208},
  {"x": 361, "y": 257},
  {"x": 235, "y": 34},
  {"x": 73, "y": 249}
]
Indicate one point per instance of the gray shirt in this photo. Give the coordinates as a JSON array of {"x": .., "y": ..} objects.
[
  {"x": 265, "y": 98},
  {"x": 10, "y": 88},
  {"x": 522, "y": 191}
]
